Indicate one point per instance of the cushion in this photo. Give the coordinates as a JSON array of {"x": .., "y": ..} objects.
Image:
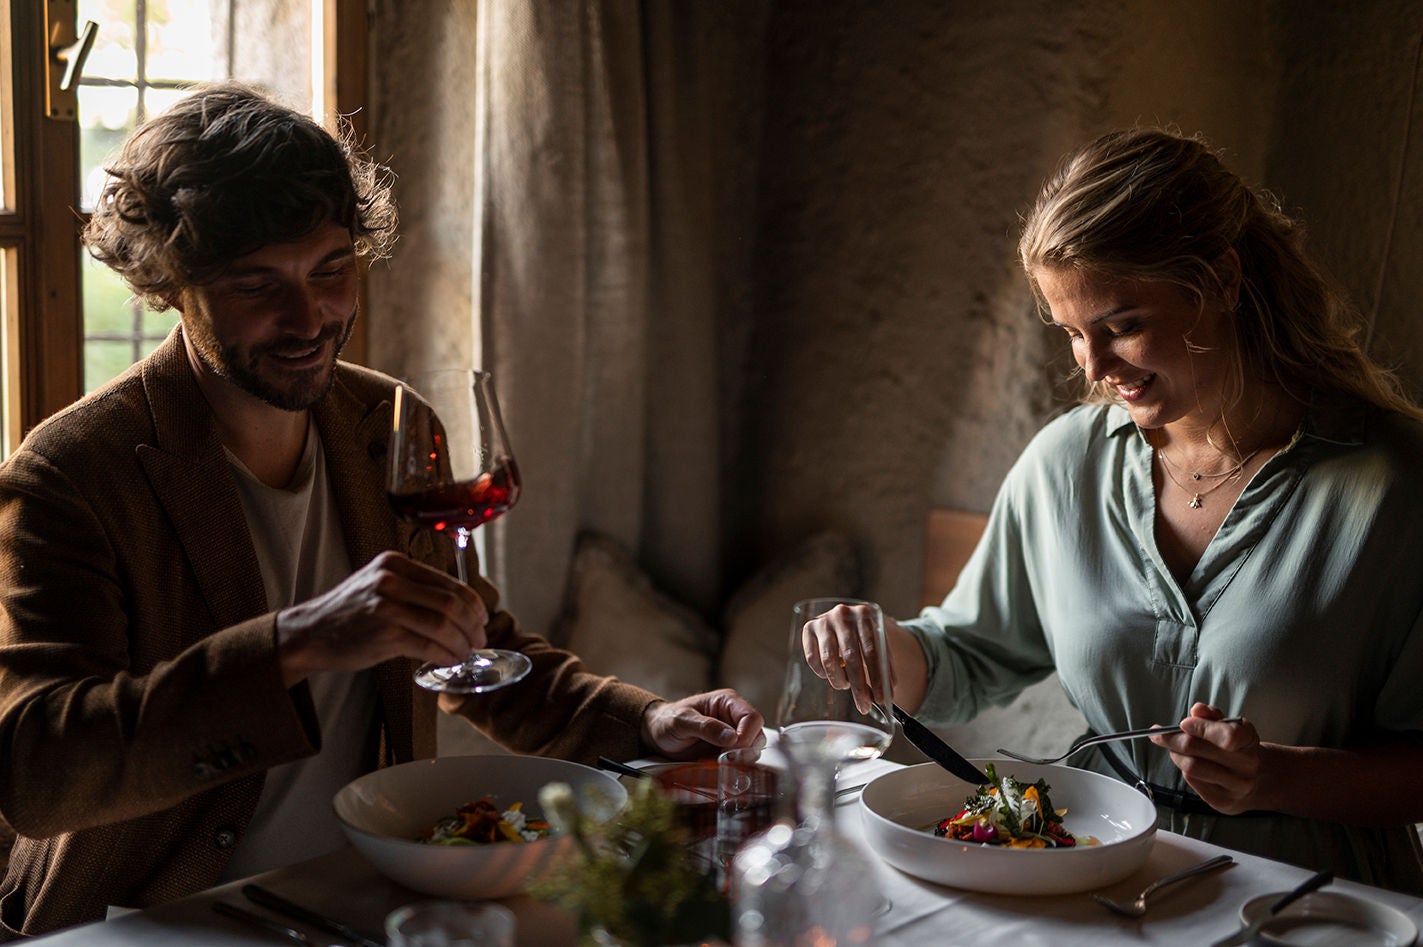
[
  {"x": 757, "y": 619},
  {"x": 619, "y": 623}
]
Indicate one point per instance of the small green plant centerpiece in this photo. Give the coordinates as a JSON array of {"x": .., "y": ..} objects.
[{"x": 633, "y": 876}]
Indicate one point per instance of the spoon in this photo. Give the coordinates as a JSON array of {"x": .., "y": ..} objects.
[{"x": 1138, "y": 907}]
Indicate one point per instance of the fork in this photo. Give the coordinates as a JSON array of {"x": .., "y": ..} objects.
[
  {"x": 1085, "y": 742},
  {"x": 1138, "y": 907}
]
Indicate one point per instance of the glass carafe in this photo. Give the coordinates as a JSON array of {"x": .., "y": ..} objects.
[{"x": 801, "y": 883}]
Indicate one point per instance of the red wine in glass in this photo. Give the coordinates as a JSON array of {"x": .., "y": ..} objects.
[
  {"x": 451, "y": 470},
  {"x": 461, "y": 505}
]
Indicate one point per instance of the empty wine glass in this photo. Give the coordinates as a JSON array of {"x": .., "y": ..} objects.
[
  {"x": 820, "y": 723},
  {"x": 451, "y": 470}
]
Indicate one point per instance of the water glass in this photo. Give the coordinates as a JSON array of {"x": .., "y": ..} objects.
[
  {"x": 450, "y": 924},
  {"x": 692, "y": 789},
  {"x": 750, "y": 796}
]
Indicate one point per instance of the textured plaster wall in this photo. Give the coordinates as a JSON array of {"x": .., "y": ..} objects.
[{"x": 886, "y": 355}]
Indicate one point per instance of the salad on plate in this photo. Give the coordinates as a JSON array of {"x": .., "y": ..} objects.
[
  {"x": 481, "y": 822},
  {"x": 1006, "y": 813}
]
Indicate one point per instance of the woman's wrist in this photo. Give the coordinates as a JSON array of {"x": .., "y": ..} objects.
[{"x": 909, "y": 668}]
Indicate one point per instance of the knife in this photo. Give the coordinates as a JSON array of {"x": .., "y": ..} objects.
[
  {"x": 936, "y": 749},
  {"x": 1248, "y": 931},
  {"x": 260, "y": 895},
  {"x": 622, "y": 769},
  {"x": 263, "y": 923}
]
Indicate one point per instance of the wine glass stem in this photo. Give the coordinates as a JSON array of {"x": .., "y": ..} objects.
[{"x": 461, "y": 538}]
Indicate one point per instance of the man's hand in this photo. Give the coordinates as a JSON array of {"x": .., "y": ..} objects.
[
  {"x": 701, "y": 725},
  {"x": 391, "y": 607}
]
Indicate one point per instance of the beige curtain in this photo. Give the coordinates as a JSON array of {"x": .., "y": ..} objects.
[{"x": 595, "y": 289}]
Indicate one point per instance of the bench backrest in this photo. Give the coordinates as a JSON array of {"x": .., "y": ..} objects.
[{"x": 950, "y": 539}]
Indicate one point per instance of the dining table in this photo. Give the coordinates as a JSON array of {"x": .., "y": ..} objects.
[{"x": 344, "y": 885}]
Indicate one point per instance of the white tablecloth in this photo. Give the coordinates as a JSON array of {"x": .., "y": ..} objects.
[{"x": 344, "y": 885}]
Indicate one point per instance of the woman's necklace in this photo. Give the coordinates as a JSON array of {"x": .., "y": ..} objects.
[
  {"x": 1196, "y": 475},
  {"x": 1198, "y": 496}
]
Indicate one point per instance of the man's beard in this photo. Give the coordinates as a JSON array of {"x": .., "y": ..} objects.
[{"x": 306, "y": 389}]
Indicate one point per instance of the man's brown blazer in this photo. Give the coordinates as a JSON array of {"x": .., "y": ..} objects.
[{"x": 140, "y": 697}]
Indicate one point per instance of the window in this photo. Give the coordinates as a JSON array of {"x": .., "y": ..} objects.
[{"x": 68, "y": 324}]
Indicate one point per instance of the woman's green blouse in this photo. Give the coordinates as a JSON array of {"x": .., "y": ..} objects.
[{"x": 1304, "y": 614}]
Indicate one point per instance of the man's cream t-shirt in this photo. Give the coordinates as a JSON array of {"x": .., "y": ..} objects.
[{"x": 302, "y": 552}]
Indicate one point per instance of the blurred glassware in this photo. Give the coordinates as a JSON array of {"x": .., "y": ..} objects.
[{"x": 450, "y": 924}]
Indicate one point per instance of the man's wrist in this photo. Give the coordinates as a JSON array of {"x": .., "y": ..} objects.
[
  {"x": 645, "y": 731},
  {"x": 290, "y": 659}
]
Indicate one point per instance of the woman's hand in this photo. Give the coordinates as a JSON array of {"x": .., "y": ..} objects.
[
  {"x": 701, "y": 725},
  {"x": 1234, "y": 771},
  {"x": 1222, "y": 762},
  {"x": 840, "y": 644}
]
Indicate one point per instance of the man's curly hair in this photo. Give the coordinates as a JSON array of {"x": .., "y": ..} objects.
[{"x": 225, "y": 172}]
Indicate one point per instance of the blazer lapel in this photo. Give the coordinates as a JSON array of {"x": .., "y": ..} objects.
[
  {"x": 193, "y": 484},
  {"x": 354, "y": 438}
]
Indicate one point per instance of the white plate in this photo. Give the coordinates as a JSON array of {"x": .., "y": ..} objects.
[
  {"x": 901, "y": 807},
  {"x": 1328, "y": 917},
  {"x": 383, "y": 813}
]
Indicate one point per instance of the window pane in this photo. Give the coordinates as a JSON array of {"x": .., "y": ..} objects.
[
  {"x": 181, "y": 43},
  {"x": 104, "y": 360},
  {"x": 149, "y": 345},
  {"x": 107, "y": 308},
  {"x": 106, "y": 115},
  {"x": 159, "y": 99},
  {"x": 109, "y": 320},
  {"x": 156, "y": 326},
  {"x": 114, "y": 55}
]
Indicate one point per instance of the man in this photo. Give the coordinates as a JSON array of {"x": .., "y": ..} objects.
[{"x": 205, "y": 628}]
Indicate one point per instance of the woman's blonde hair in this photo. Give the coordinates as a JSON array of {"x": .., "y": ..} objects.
[{"x": 1150, "y": 205}]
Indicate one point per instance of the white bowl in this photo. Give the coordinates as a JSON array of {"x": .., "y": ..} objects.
[
  {"x": 901, "y": 808},
  {"x": 383, "y": 814}
]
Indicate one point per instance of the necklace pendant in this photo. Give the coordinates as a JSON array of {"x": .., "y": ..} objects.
[
  {"x": 1195, "y": 503},
  {"x": 1195, "y": 476}
]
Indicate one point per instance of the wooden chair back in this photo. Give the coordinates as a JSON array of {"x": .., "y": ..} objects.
[{"x": 950, "y": 538}]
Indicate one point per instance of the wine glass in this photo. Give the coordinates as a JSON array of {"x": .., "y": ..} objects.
[
  {"x": 820, "y": 724},
  {"x": 451, "y": 470}
]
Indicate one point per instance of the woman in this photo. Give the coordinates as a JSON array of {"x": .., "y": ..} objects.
[{"x": 1230, "y": 525}]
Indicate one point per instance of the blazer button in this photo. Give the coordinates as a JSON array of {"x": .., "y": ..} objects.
[{"x": 224, "y": 839}]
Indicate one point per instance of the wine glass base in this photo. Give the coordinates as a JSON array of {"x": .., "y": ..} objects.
[{"x": 483, "y": 671}]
